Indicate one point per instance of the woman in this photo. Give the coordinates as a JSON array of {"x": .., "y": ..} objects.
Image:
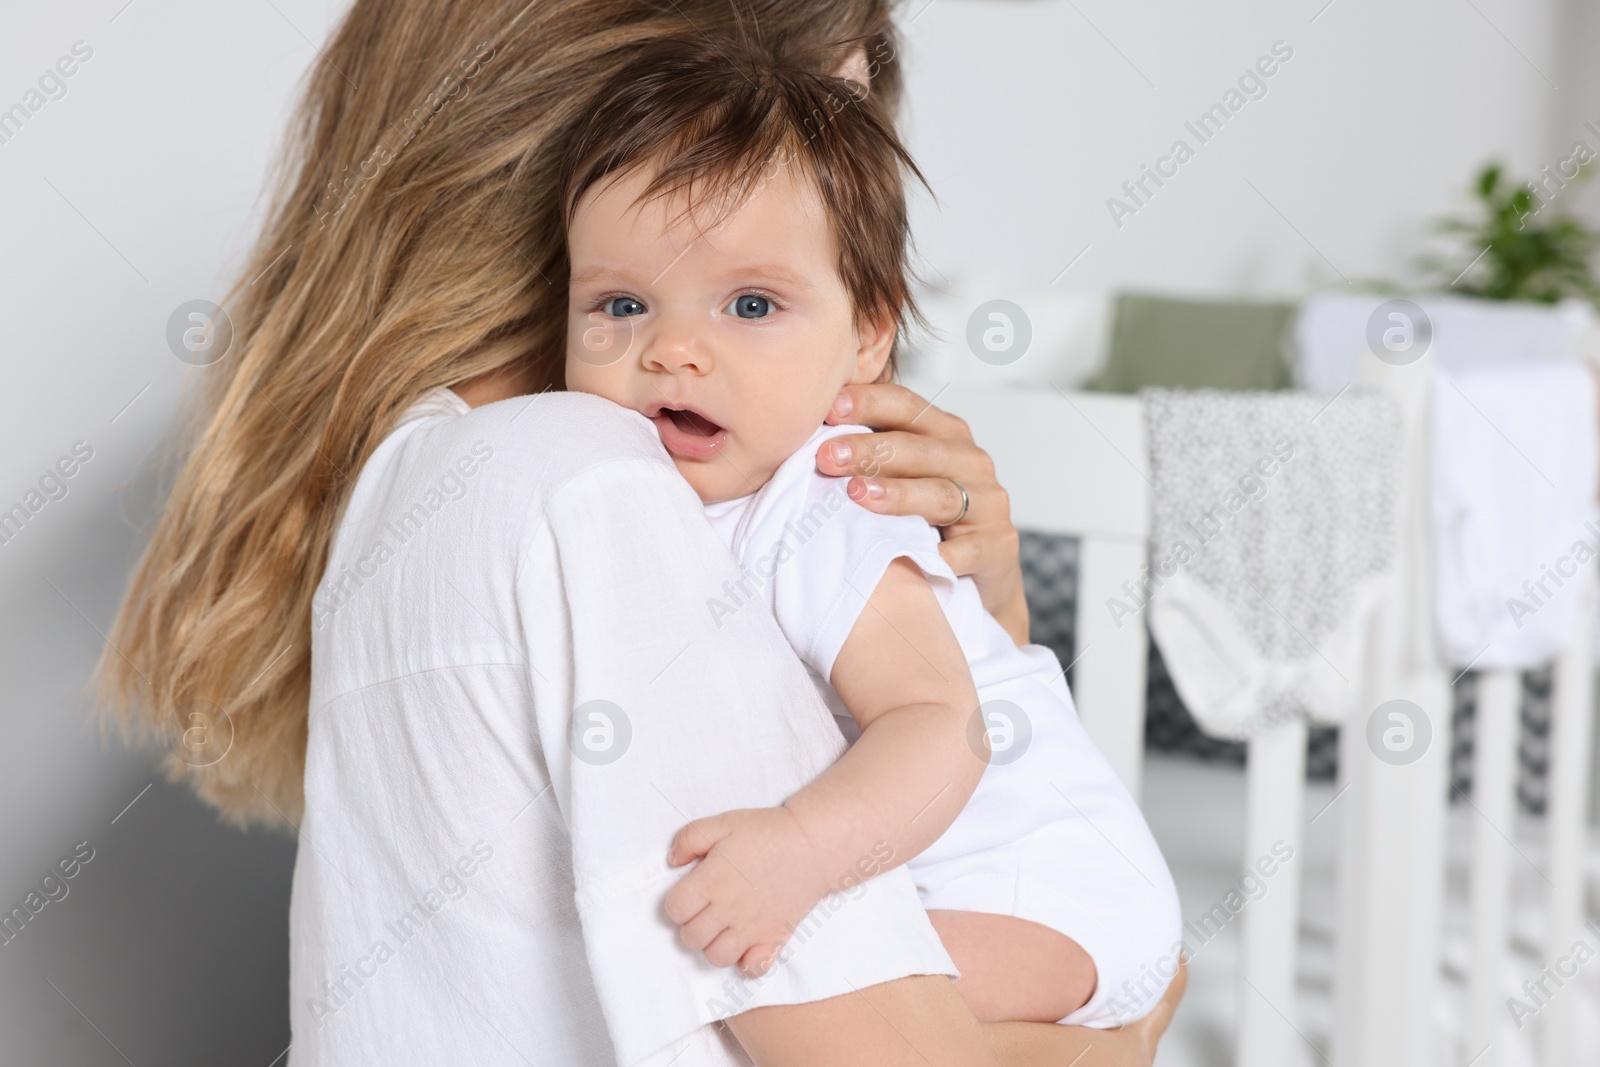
[{"x": 416, "y": 245}]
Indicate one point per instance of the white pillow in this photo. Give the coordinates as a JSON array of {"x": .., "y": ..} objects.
[{"x": 1067, "y": 333}]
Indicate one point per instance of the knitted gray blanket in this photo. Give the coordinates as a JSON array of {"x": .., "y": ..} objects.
[{"x": 1273, "y": 517}]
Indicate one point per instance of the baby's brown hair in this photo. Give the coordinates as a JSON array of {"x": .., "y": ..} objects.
[{"x": 717, "y": 120}]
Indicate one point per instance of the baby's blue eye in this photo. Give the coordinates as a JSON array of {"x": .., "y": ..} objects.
[
  {"x": 623, "y": 306},
  {"x": 751, "y": 306}
]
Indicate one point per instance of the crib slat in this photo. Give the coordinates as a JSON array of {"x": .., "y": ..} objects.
[
  {"x": 1275, "y": 809},
  {"x": 1391, "y": 817},
  {"x": 1390, "y": 879},
  {"x": 1108, "y": 682},
  {"x": 1494, "y": 760},
  {"x": 1572, "y": 716}
]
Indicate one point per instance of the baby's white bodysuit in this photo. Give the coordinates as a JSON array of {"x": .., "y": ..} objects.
[{"x": 1051, "y": 835}]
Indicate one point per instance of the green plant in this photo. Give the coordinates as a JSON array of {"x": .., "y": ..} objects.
[{"x": 1518, "y": 248}]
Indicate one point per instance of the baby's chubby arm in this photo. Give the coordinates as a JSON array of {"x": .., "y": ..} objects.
[{"x": 904, "y": 678}]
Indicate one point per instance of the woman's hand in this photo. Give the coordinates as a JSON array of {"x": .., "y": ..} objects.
[{"x": 910, "y": 467}]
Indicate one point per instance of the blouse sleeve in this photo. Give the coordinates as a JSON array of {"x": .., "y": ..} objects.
[{"x": 653, "y": 712}]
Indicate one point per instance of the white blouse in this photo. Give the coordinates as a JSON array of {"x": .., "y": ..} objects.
[{"x": 517, "y": 698}]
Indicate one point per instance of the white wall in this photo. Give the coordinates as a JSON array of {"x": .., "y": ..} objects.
[
  {"x": 128, "y": 195},
  {"x": 1026, "y": 120}
]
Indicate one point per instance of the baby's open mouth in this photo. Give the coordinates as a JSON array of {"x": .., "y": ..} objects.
[
  {"x": 691, "y": 421},
  {"x": 688, "y": 433}
]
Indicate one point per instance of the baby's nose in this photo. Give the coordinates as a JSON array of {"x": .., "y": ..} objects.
[{"x": 678, "y": 350}]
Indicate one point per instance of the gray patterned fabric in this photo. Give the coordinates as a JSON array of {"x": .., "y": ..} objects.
[
  {"x": 1273, "y": 510},
  {"x": 1050, "y": 583}
]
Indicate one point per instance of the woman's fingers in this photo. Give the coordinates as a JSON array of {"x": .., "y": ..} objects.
[
  {"x": 985, "y": 530},
  {"x": 905, "y": 454},
  {"x": 965, "y": 554},
  {"x": 936, "y": 499},
  {"x": 888, "y": 406}
]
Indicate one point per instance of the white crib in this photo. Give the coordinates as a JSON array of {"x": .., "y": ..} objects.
[{"x": 1076, "y": 463}]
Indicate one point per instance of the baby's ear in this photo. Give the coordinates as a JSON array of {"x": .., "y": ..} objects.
[{"x": 876, "y": 335}]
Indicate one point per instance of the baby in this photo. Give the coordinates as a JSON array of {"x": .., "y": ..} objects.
[{"x": 738, "y": 244}]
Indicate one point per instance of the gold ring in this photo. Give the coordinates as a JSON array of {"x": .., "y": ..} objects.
[{"x": 966, "y": 502}]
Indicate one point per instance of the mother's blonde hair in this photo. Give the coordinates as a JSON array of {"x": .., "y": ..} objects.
[{"x": 414, "y": 241}]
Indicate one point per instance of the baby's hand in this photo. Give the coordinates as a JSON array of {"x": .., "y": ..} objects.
[{"x": 758, "y": 876}]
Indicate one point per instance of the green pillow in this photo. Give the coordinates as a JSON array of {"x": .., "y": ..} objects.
[{"x": 1196, "y": 344}]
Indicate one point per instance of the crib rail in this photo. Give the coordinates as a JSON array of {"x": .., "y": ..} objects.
[
  {"x": 1077, "y": 464},
  {"x": 1375, "y": 1008}
]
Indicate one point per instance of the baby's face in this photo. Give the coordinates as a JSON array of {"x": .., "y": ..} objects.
[{"x": 734, "y": 340}]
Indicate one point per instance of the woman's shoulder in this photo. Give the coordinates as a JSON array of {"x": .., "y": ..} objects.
[
  {"x": 479, "y": 484},
  {"x": 544, "y": 440}
]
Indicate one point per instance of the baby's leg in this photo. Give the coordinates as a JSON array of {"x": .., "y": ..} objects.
[
  {"x": 1013, "y": 970},
  {"x": 1052, "y": 1045}
]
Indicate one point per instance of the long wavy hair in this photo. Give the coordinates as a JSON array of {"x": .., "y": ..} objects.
[{"x": 414, "y": 239}]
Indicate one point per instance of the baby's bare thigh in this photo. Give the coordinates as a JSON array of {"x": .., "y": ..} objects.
[{"x": 1013, "y": 970}]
